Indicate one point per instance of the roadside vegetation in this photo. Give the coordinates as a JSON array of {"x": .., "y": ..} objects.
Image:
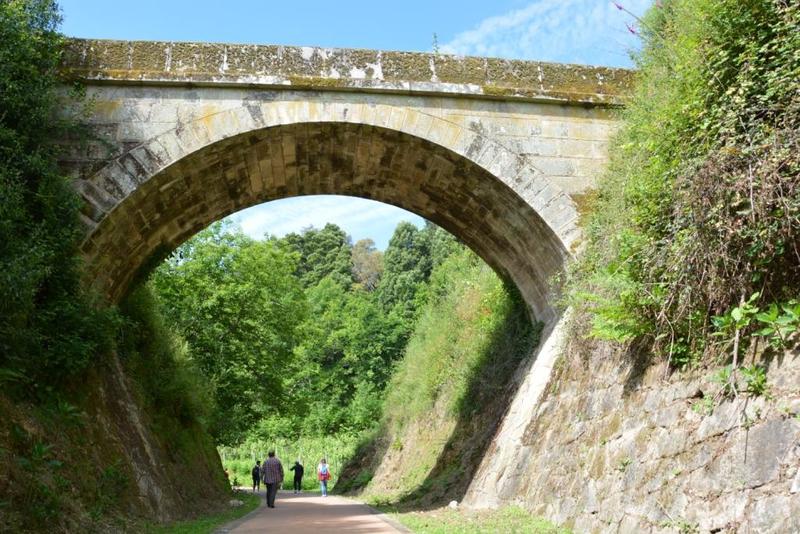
[
  {"x": 210, "y": 523},
  {"x": 449, "y": 392},
  {"x": 693, "y": 242},
  {"x": 50, "y": 328},
  {"x": 315, "y": 347},
  {"x": 299, "y": 336},
  {"x": 59, "y": 342},
  {"x": 510, "y": 519}
]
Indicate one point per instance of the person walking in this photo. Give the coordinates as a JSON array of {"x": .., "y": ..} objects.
[
  {"x": 324, "y": 475},
  {"x": 298, "y": 476},
  {"x": 272, "y": 475},
  {"x": 256, "y": 473}
]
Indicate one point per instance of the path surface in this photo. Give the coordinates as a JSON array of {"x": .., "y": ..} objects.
[{"x": 309, "y": 512}]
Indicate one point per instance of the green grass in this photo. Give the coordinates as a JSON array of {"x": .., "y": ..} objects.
[
  {"x": 337, "y": 449},
  {"x": 209, "y": 524},
  {"x": 449, "y": 389},
  {"x": 506, "y": 520}
]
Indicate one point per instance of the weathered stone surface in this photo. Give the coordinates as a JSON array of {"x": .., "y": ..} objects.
[
  {"x": 201, "y": 130},
  {"x": 774, "y": 514},
  {"x": 648, "y": 462},
  {"x": 337, "y": 69}
]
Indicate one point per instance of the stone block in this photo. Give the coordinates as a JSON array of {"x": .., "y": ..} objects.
[
  {"x": 724, "y": 417},
  {"x": 668, "y": 416},
  {"x": 723, "y": 512},
  {"x": 774, "y": 514},
  {"x": 668, "y": 442}
]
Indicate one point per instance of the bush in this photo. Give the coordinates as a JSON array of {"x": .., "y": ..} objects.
[
  {"x": 700, "y": 207},
  {"x": 49, "y": 328},
  {"x": 161, "y": 363}
]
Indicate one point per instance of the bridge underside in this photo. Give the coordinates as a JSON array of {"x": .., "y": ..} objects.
[
  {"x": 491, "y": 150},
  {"x": 327, "y": 158}
]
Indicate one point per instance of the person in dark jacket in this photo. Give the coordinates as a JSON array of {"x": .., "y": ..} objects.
[
  {"x": 298, "y": 476},
  {"x": 256, "y": 472}
]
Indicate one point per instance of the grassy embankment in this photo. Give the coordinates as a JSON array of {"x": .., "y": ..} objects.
[
  {"x": 510, "y": 519},
  {"x": 449, "y": 392},
  {"x": 68, "y": 460},
  {"x": 210, "y": 523}
]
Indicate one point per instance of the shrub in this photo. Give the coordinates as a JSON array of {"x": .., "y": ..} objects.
[
  {"x": 700, "y": 207},
  {"x": 161, "y": 362},
  {"x": 50, "y": 329}
]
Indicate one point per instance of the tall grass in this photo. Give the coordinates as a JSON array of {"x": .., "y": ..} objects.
[
  {"x": 700, "y": 207},
  {"x": 449, "y": 391},
  {"x": 456, "y": 341}
]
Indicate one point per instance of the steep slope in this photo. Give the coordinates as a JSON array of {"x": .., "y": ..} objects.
[
  {"x": 450, "y": 391},
  {"x": 104, "y": 456}
]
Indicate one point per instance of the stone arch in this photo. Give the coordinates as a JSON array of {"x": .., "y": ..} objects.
[{"x": 154, "y": 196}]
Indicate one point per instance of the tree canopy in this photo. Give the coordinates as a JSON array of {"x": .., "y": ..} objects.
[
  {"x": 238, "y": 304},
  {"x": 299, "y": 334}
]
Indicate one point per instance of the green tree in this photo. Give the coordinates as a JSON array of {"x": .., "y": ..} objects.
[
  {"x": 48, "y": 327},
  {"x": 347, "y": 354},
  {"x": 367, "y": 264},
  {"x": 407, "y": 265},
  {"x": 409, "y": 260},
  {"x": 324, "y": 252},
  {"x": 441, "y": 244},
  {"x": 238, "y": 304}
]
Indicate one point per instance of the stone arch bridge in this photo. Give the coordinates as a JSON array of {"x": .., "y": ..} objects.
[{"x": 497, "y": 152}]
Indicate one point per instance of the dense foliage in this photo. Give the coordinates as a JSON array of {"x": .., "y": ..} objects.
[
  {"x": 62, "y": 469},
  {"x": 237, "y": 303},
  {"x": 323, "y": 253},
  {"x": 297, "y": 335},
  {"x": 700, "y": 211},
  {"x": 49, "y": 330}
]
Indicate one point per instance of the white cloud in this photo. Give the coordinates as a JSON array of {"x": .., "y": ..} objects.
[
  {"x": 359, "y": 217},
  {"x": 568, "y": 31}
]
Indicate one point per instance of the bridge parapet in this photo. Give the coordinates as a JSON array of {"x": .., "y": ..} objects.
[{"x": 314, "y": 68}]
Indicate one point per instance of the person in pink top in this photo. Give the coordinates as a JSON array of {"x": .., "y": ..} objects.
[{"x": 324, "y": 475}]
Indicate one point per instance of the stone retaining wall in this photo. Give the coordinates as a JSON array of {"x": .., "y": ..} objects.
[{"x": 617, "y": 447}]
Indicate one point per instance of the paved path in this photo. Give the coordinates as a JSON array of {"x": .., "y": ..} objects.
[{"x": 311, "y": 513}]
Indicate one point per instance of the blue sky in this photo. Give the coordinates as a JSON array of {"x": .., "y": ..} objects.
[{"x": 569, "y": 31}]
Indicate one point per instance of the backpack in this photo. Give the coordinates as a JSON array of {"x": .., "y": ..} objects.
[{"x": 256, "y": 472}]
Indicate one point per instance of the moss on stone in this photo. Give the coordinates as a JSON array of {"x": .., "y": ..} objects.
[
  {"x": 317, "y": 82},
  {"x": 584, "y": 202},
  {"x": 213, "y": 63}
]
